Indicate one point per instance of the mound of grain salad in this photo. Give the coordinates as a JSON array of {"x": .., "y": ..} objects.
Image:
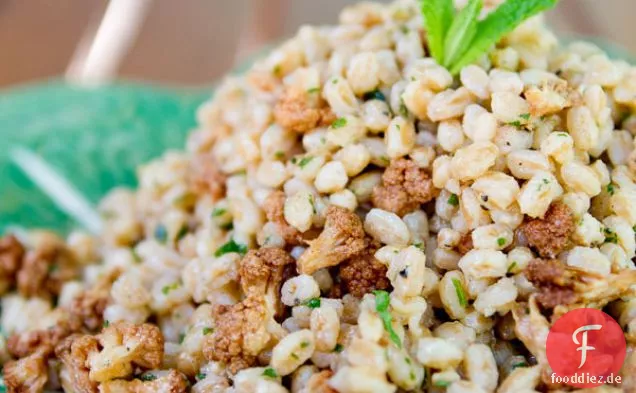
[{"x": 375, "y": 206}]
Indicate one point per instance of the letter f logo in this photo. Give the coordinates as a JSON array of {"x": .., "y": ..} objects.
[{"x": 584, "y": 347}]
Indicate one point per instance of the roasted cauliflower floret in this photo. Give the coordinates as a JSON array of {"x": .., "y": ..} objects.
[
  {"x": 551, "y": 234},
  {"x": 11, "y": 254},
  {"x": 274, "y": 207},
  {"x": 262, "y": 269},
  {"x": 405, "y": 186},
  {"x": 171, "y": 381},
  {"x": 124, "y": 346},
  {"x": 26, "y": 375},
  {"x": 206, "y": 178},
  {"x": 294, "y": 112},
  {"x": 342, "y": 237},
  {"x": 362, "y": 274},
  {"x": 240, "y": 333},
  {"x": 73, "y": 352}
]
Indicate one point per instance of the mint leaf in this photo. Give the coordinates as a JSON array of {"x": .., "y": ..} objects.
[
  {"x": 498, "y": 23},
  {"x": 382, "y": 302},
  {"x": 231, "y": 246},
  {"x": 461, "y": 32},
  {"x": 438, "y": 17}
]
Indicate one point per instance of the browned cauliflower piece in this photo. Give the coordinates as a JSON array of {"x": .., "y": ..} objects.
[
  {"x": 551, "y": 97},
  {"x": 124, "y": 346},
  {"x": 362, "y": 274},
  {"x": 551, "y": 234},
  {"x": 262, "y": 269},
  {"x": 206, "y": 177},
  {"x": 240, "y": 334},
  {"x": 342, "y": 237},
  {"x": 171, "y": 381},
  {"x": 274, "y": 210},
  {"x": 87, "y": 308},
  {"x": 405, "y": 186},
  {"x": 294, "y": 112},
  {"x": 73, "y": 352},
  {"x": 11, "y": 254},
  {"x": 44, "y": 341},
  {"x": 46, "y": 268},
  {"x": 26, "y": 375},
  {"x": 565, "y": 288}
]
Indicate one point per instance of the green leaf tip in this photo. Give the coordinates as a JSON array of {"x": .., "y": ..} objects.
[
  {"x": 438, "y": 17},
  {"x": 461, "y": 32}
]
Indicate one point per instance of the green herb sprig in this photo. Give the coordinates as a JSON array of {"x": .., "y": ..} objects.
[
  {"x": 382, "y": 301},
  {"x": 457, "y": 40}
]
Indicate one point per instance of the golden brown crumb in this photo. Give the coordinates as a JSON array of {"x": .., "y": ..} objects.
[
  {"x": 11, "y": 254},
  {"x": 73, "y": 352},
  {"x": 293, "y": 112},
  {"x": 45, "y": 269},
  {"x": 206, "y": 178},
  {"x": 240, "y": 334},
  {"x": 171, "y": 382},
  {"x": 27, "y": 375},
  {"x": 550, "y": 97},
  {"x": 262, "y": 269},
  {"x": 362, "y": 274},
  {"x": 319, "y": 383},
  {"x": 274, "y": 210},
  {"x": 465, "y": 243},
  {"x": 405, "y": 186},
  {"x": 550, "y": 235},
  {"x": 341, "y": 238}
]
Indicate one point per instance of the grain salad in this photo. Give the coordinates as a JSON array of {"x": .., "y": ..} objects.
[{"x": 352, "y": 215}]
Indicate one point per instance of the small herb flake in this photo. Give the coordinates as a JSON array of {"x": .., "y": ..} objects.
[
  {"x": 459, "y": 290},
  {"x": 279, "y": 155},
  {"x": 512, "y": 266},
  {"x": 304, "y": 161},
  {"x": 520, "y": 364},
  {"x": 412, "y": 376},
  {"x": 610, "y": 189},
  {"x": 228, "y": 227},
  {"x": 270, "y": 372},
  {"x": 231, "y": 246},
  {"x": 515, "y": 123},
  {"x": 182, "y": 232},
  {"x": 562, "y": 134},
  {"x": 313, "y": 303},
  {"x": 168, "y": 288},
  {"x": 610, "y": 236},
  {"x": 304, "y": 344},
  {"x": 404, "y": 112},
  {"x": 385, "y": 160},
  {"x": 201, "y": 376},
  {"x": 161, "y": 233},
  {"x": 181, "y": 337},
  {"x": 106, "y": 323},
  {"x": 525, "y": 116},
  {"x": 277, "y": 70},
  {"x": 218, "y": 211},
  {"x": 382, "y": 302},
  {"x": 148, "y": 377},
  {"x": 501, "y": 241},
  {"x": 442, "y": 384},
  {"x": 207, "y": 330},
  {"x": 313, "y": 90},
  {"x": 419, "y": 245},
  {"x": 338, "y": 348},
  {"x": 339, "y": 122},
  {"x": 453, "y": 200}
]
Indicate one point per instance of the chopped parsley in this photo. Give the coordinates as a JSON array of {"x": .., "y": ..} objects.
[
  {"x": 228, "y": 227},
  {"x": 385, "y": 160},
  {"x": 501, "y": 241},
  {"x": 313, "y": 204},
  {"x": 519, "y": 364},
  {"x": 277, "y": 70},
  {"x": 279, "y": 155},
  {"x": 294, "y": 356},
  {"x": 562, "y": 134},
  {"x": 511, "y": 267},
  {"x": 201, "y": 376},
  {"x": 419, "y": 245},
  {"x": 182, "y": 232},
  {"x": 442, "y": 384},
  {"x": 525, "y": 116},
  {"x": 374, "y": 95},
  {"x": 270, "y": 372},
  {"x": 207, "y": 330},
  {"x": 148, "y": 377},
  {"x": 304, "y": 344},
  {"x": 412, "y": 376},
  {"x": 218, "y": 211},
  {"x": 404, "y": 112},
  {"x": 106, "y": 323},
  {"x": 168, "y": 288},
  {"x": 313, "y": 303},
  {"x": 304, "y": 161},
  {"x": 181, "y": 337},
  {"x": 231, "y": 246},
  {"x": 459, "y": 290},
  {"x": 339, "y": 122},
  {"x": 611, "y": 189},
  {"x": 161, "y": 233},
  {"x": 453, "y": 200},
  {"x": 515, "y": 123},
  {"x": 382, "y": 301},
  {"x": 610, "y": 236},
  {"x": 313, "y": 90},
  {"x": 338, "y": 348}
]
